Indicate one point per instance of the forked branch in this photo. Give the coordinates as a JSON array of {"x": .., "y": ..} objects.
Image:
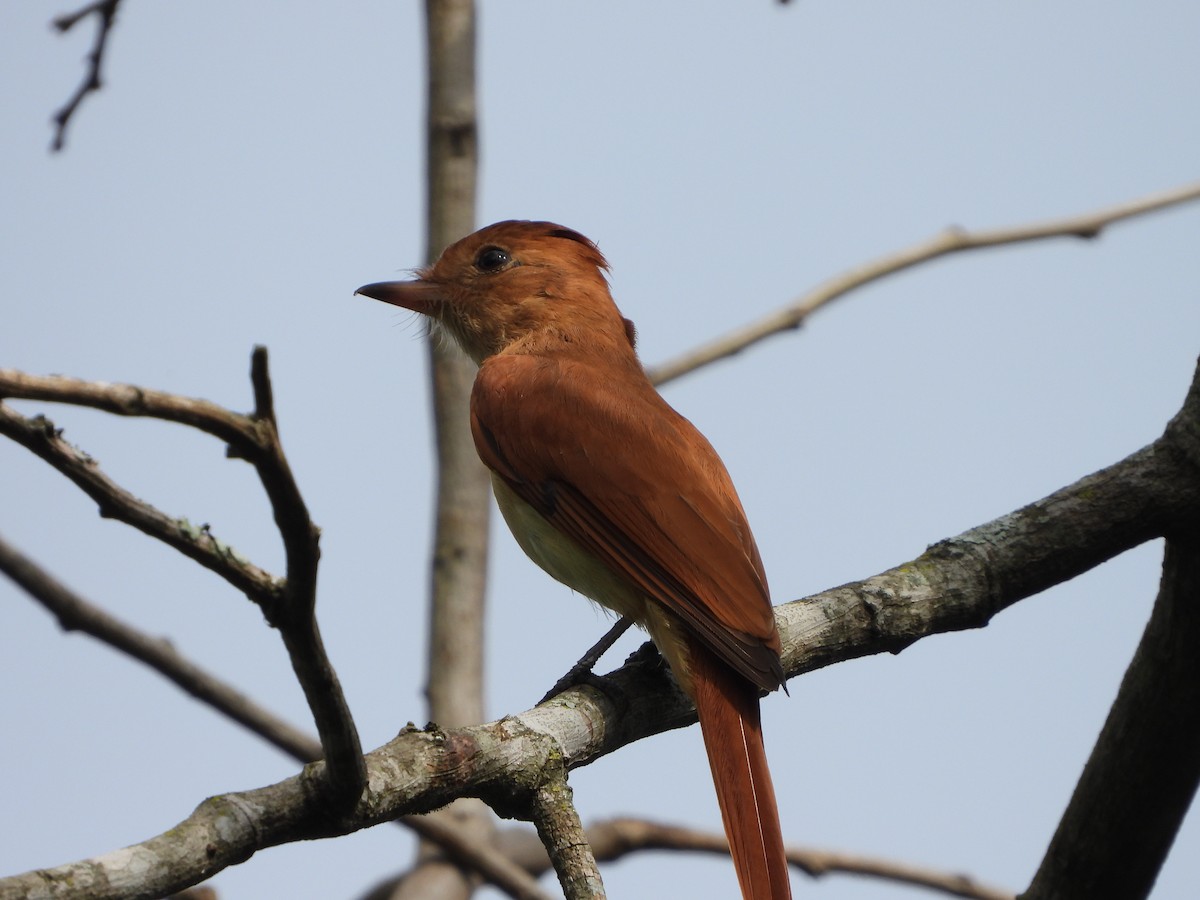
[
  {"x": 287, "y": 603},
  {"x": 957, "y": 584},
  {"x": 105, "y": 12}
]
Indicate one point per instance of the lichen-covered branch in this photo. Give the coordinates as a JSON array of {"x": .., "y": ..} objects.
[
  {"x": 957, "y": 584},
  {"x": 563, "y": 836},
  {"x": 963, "y": 581}
]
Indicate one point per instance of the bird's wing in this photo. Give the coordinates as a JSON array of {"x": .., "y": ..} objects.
[{"x": 608, "y": 463}]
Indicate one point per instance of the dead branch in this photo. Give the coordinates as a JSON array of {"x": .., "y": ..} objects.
[
  {"x": 957, "y": 584},
  {"x": 289, "y": 603},
  {"x": 197, "y": 542},
  {"x": 952, "y": 240},
  {"x": 105, "y": 12},
  {"x": 616, "y": 838},
  {"x": 74, "y": 613}
]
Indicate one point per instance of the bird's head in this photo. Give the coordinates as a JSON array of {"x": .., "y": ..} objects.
[{"x": 514, "y": 285}]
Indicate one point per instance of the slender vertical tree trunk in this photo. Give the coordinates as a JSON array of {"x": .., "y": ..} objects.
[{"x": 459, "y": 565}]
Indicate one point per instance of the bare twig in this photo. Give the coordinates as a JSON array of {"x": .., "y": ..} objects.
[
  {"x": 478, "y": 856},
  {"x": 130, "y": 400},
  {"x": 106, "y": 14},
  {"x": 616, "y": 838},
  {"x": 296, "y": 616},
  {"x": 197, "y": 542},
  {"x": 952, "y": 240},
  {"x": 76, "y": 614},
  {"x": 288, "y": 604}
]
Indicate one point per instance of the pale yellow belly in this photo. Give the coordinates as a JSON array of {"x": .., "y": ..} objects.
[
  {"x": 567, "y": 562},
  {"x": 564, "y": 559}
]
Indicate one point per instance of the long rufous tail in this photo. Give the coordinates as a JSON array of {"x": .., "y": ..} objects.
[{"x": 727, "y": 705}]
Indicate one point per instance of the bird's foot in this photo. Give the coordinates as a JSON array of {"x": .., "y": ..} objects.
[{"x": 581, "y": 672}]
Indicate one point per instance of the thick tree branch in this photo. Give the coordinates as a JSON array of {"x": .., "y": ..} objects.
[
  {"x": 952, "y": 240},
  {"x": 963, "y": 581},
  {"x": 418, "y": 771},
  {"x": 1143, "y": 773},
  {"x": 105, "y": 12},
  {"x": 513, "y": 865},
  {"x": 957, "y": 584}
]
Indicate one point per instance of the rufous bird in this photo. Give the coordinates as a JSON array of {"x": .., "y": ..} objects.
[{"x": 614, "y": 493}]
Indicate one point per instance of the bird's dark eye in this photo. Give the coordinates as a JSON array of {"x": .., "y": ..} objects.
[{"x": 492, "y": 259}]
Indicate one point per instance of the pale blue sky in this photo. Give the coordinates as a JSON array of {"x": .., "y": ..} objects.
[{"x": 247, "y": 166}]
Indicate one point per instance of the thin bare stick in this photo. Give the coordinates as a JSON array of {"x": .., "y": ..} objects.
[
  {"x": 132, "y": 400},
  {"x": 197, "y": 542},
  {"x": 616, "y": 838},
  {"x": 106, "y": 14},
  {"x": 478, "y": 855},
  {"x": 952, "y": 240},
  {"x": 289, "y": 603},
  {"x": 295, "y": 616},
  {"x": 76, "y": 614}
]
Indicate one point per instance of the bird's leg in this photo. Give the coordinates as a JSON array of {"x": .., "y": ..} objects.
[{"x": 581, "y": 672}]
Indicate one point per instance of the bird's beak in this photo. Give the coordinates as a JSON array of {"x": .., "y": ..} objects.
[{"x": 419, "y": 296}]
